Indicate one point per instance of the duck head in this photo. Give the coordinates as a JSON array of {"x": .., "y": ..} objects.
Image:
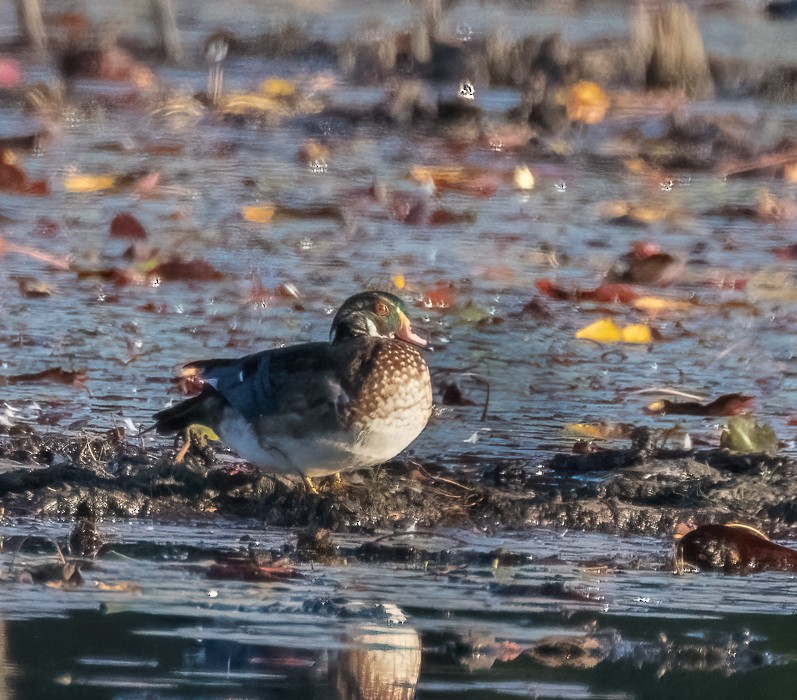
[{"x": 375, "y": 315}]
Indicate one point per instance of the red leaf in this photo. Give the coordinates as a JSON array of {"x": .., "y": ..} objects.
[
  {"x": 126, "y": 225},
  {"x": 247, "y": 570},
  {"x": 734, "y": 548},
  {"x": 725, "y": 405}
]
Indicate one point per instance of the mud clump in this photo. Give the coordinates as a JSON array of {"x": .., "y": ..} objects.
[{"x": 636, "y": 490}]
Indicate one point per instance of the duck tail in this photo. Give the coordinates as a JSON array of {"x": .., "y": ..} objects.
[{"x": 198, "y": 410}]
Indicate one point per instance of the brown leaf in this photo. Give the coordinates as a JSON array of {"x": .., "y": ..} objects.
[
  {"x": 126, "y": 225},
  {"x": 734, "y": 548},
  {"x": 604, "y": 293},
  {"x": 51, "y": 374},
  {"x": 33, "y": 288},
  {"x": 176, "y": 270},
  {"x": 248, "y": 570},
  {"x": 725, "y": 405}
]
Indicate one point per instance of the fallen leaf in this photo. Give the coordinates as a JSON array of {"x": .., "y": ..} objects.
[
  {"x": 605, "y": 293},
  {"x": 278, "y": 87},
  {"x": 33, "y": 288},
  {"x": 83, "y": 184},
  {"x": 472, "y": 180},
  {"x": 586, "y": 102},
  {"x": 248, "y": 570},
  {"x": 52, "y": 374},
  {"x": 523, "y": 178},
  {"x": 446, "y": 217},
  {"x": 259, "y": 214},
  {"x": 452, "y": 396},
  {"x": 606, "y": 330},
  {"x": 733, "y": 548},
  {"x": 14, "y": 180},
  {"x": 177, "y": 270},
  {"x": 601, "y": 431},
  {"x": 118, "y": 586},
  {"x": 441, "y": 296},
  {"x": 126, "y": 225},
  {"x": 725, "y": 405},
  {"x": 745, "y": 434},
  {"x": 659, "y": 305}
]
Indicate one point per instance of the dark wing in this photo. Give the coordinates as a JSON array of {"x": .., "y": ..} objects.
[{"x": 295, "y": 385}]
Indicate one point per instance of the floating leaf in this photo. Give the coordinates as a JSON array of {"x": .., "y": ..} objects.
[
  {"x": 51, "y": 374},
  {"x": 586, "y": 102},
  {"x": 176, "y": 270},
  {"x": 83, "y": 184},
  {"x": 523, "y": 178},
  {"x": 249, "y": 570},
  {"x": 600, "y": 431},
  {"x": 457, "y": 178},
  {"x": 606, "y": 292},
  {"x": 446, "y": 217},
  {"x": 745, "y": 434},
  {"x": 606, "y": 330},
  {"x": 259, "y": 214},
  {"x": 126, "y": 225},
  {"x": 733, "y": 548},
  {"x": 14, "y": 180},
  {"x": 33, "y": 288},
  {"x": 398, "y": 281},
  {"x": 118, "y": 586},
  {"x": 725, "y": 405},
  {"x": 278, "y": 87},
  {"x": 659, "y": 305}
]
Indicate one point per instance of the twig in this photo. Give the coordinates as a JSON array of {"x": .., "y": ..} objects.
[{"x": 669, "y": 392}]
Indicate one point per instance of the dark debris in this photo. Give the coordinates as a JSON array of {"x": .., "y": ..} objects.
[{"x": 639, "y": 490}]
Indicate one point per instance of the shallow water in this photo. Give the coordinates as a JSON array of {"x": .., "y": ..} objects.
[
  {"x": 540, "y": 377},
  {"x": 183, "y": 635}
]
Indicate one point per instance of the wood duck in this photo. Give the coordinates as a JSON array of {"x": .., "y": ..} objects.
[{"x": 318, "y": 408}]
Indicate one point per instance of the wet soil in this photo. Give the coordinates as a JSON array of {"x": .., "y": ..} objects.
[{"x": 641, "y": 489}]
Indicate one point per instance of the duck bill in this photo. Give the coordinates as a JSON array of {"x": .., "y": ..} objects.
[{"x": 405, "y": 332}]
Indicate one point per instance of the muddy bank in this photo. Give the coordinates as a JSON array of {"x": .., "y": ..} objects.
[{"x": 635, "y": 490}]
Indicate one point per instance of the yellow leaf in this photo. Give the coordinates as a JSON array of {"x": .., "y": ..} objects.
[
  {"x": 259, "y": 214},
  {"x": 598, "y": 430},
  {"x": 77, "y": 182},
  {"x": 524, "y": 179},
  {"x": 398, "y": 281},
  {"x": 607, "y": 331},
  {"x": 636, "y": 333},
  {"x": 586, "y": 102},
  {"x": 118, "y": 587},
  {"x": 278, "y": 87},
  {"x": 657, "y": 305},
  {"x": 203, "y": 432},
  {"x": 246, "y": 103},
  {"x": 440, "y": 176},
  {"x": 603, "y": 331}
]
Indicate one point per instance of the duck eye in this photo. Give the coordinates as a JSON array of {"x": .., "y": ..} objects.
[{"x": 380, "y": 309}]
